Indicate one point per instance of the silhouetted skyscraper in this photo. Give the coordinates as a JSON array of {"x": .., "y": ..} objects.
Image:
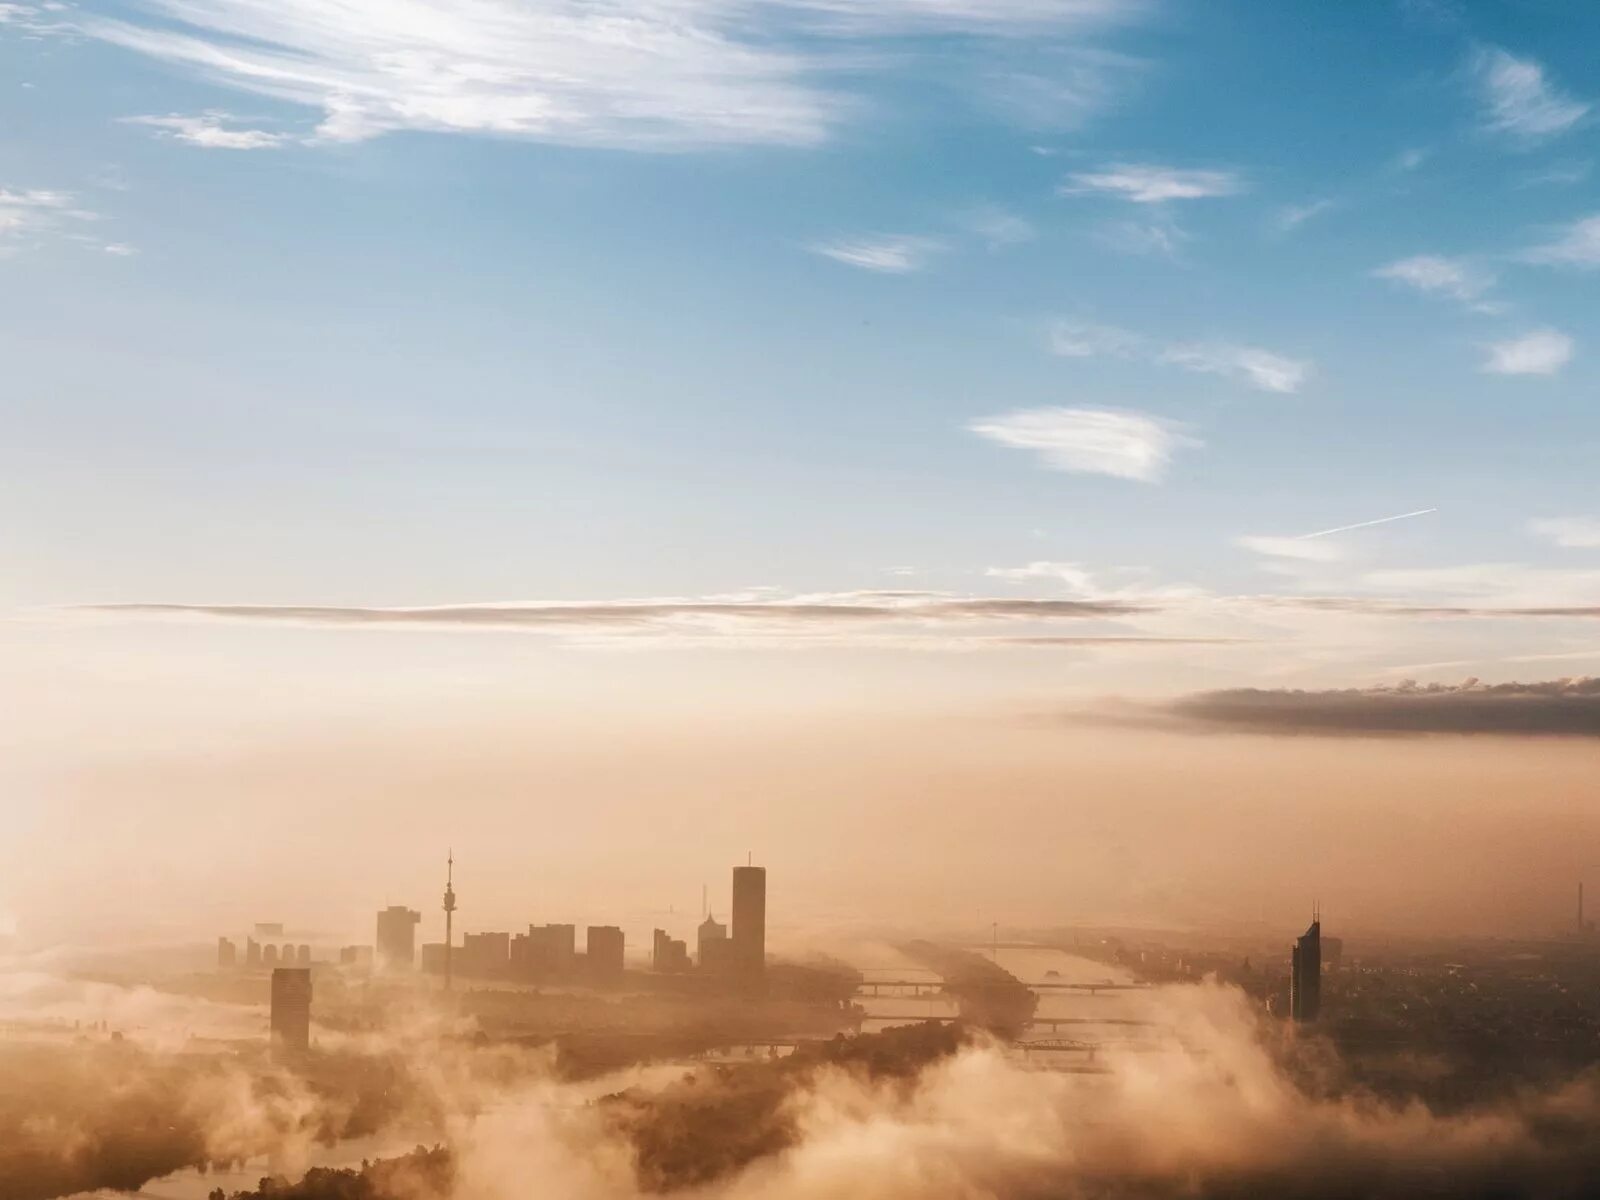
[
  {"x": 291, "y": 1008},
  {"x": 397, "y": 937},
  {"x": 750, "y": 924},
  {"x": 1305, "y": 974},
  {"x": 227, "y": 953},
  {"x": 603, "y": 946},
  {"x": 712, "y": 947},
  {"x": 252, "y": 952},
  {"x": 269, "y": 955}
]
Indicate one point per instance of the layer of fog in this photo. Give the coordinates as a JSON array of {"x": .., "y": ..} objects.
[{"x": 1207, "y": 1106}]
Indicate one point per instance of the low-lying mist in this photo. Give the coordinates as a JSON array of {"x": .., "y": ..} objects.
[{"x": 1222, "y": 1101}]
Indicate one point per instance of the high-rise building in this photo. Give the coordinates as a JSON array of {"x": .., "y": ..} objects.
[
  {"x": 713, "y": 947},
  {"x": 483, "y": 954},
  {"x": 355, "y": 956},
  {"x": 397, "y": 937},
  {"x": 269, "y": 955},
  {"x": 750, "y": 924},
  {"x": 302, "y": 955},
  {"x": 1305, "y": 974},
  {"x": 668, "y": 954},
  {"x": 269, "y": 929},
  {"x": 252, "y": 952},
  {"x": 291, "y": 1009},
  {"x": 603, "y": 946},
  {"x": 227, "y": 953}
]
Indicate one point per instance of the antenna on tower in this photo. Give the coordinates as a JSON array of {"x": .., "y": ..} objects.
[
  {"x": 449, "y": 911},
  {"x": 705, "y": 900}
]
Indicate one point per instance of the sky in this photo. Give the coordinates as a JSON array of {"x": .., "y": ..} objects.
[{"x": 516, "y": 422}]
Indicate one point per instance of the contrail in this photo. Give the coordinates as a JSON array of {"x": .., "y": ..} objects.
[{"x": 1421, "y": 512}]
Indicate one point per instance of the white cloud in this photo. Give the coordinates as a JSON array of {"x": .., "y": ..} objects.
[
  {"x": 1077, "y": 578},
  {"x": 892, "y": 255},
  {"x": 1146, "y": 239},
  {"x": 1432, "y": 273},
  {"x": 1081, "y": 339},
  {"x": 1117, "y": 442},
  {"x": 1000, "y": 227},
  {"x": 1541, "y": 352},
  {"x": 654, "y": 74},
  {"x": 1300, "y": 548},
  {"x": 1293, "y": 216},
  {"x": 1147, "y": 183},
  {"x": 1519, "y": 101},
  {"x": 1576, "y": 245},
  {"x": 29, "y": 214},
  {"x": 1252, "y": 365},
  {"x": 1572, "y": 532},
  {"x": 211, "y": 130},
  {"x": 119, "y": 249},
  {"x": 1261, "y": 369}
]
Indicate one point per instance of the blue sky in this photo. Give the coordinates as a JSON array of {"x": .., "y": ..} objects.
[
  {"x": 378, "y": 305},
  {"x": 645, "y": 414}
]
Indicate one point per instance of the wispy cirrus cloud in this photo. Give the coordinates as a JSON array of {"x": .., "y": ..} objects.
[
  {"x": 1291, "y": 217},
  {"x": 1539, "y": 352},
  {"x": 893, "y": 254},
  {"x": 1264, "y": 370},
  {"x": 1570, "y": 532},
  {"x": 1149, "y": 183},
  {"x": 1574, "y": 245},
  {"x": 213, "y": 130},
  {"x": 1519, "y": 101},
  {"x": 29, "y": 216},
  {"x": 1261, "y": 369},
  {"x": 661, "y": 74},
  {"x": 1143, "y": 239},
  {"x": 1435, "y": 274},
  {"x": 1099, "y": 441}
]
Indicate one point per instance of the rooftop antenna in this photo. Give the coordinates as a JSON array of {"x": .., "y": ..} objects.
[
  {"x": 705, "y": 902},
  {"x": 449, "y": 911}
]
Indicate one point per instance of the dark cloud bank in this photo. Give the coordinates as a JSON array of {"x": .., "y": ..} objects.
[{"x": 1556, "y": 708}]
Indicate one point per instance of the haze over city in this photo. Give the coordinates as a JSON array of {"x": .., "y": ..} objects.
[{"x": 1094, "y": 498}]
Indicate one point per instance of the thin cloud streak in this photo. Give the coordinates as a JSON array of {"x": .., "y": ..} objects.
[
  {"x": 1261, "y": 369},
  {"x": 1405, "y": 516},
  {"x": 1149, "y": 183}
]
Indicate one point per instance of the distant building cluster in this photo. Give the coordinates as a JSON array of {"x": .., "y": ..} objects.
[
  {"x": 551, "y": 952},
  {"x": 262, "y": 955}
]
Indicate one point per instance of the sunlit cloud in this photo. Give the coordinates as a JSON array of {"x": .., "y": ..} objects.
[
  {"x": 1571, "y": 532},
  {"x": 1299, "y": 548},
  {"x": 1519, "y": 101},
  {"x": 676, "y": 75},
  {"x": 1147, "y": 183},
  {"x": 1261, "y": 369},
  {"x": 1116, "y": 442},
  {"x": 1541, "y": 352},
  {"x": 1575, "y": 245},
  {"x": 1142, "y": 239},
  {"x": 211, "y": 131},
  {"x": 889, "y": 255},
  {"x": 28, "y": 215},
  {"x": 1456, "y": 278}
]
